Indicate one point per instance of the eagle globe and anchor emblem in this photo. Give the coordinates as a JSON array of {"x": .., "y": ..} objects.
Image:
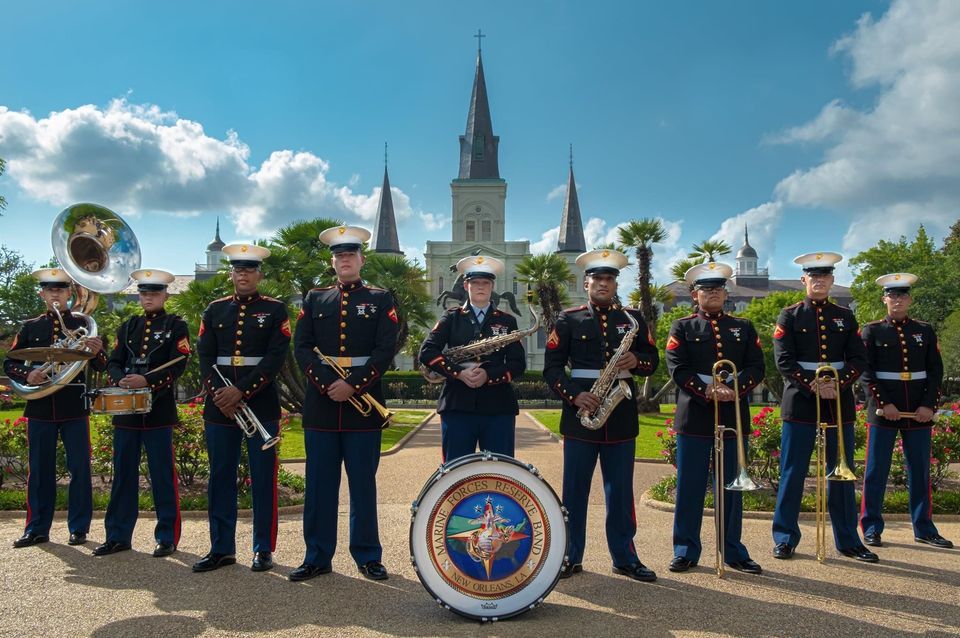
[{"x": 488, "y": 536}]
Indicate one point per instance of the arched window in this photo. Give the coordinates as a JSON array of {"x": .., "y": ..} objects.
[{"x": 471, "y": 231}]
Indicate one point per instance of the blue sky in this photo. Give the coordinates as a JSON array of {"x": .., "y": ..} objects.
[{"x": 823, "y": 127}]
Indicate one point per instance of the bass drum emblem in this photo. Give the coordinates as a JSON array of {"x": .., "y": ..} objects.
[{"x": 488, "y": 536}]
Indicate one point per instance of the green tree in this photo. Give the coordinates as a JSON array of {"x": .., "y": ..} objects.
[
  {"x": 547, "y": 276},
  {"x": 949, "y": 340},
  {"x": 934, "y": 296},
  {"x": 190, "y": 304},
  {"x": 708, "y": 250},
  {"x": 661, "y": 378},
  {"x": 681, "y": 266},
  {"x": 640, "y": 235},
  {"x": 18, "y": 292},
  {"x": 407, "y": 281},
  {"x": 660, "y": 293},
  {"x": 763, "y": 313}
]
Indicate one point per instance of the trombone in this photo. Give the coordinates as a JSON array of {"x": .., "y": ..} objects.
[
  {"x": 742, "y": 482},
  {"x": 364, "y": 403},
  {"x": 842, "y": 471},
  {"x": 248, "y": 421}
]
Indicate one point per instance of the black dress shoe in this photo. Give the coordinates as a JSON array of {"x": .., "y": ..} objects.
[
  {"x": 214, "y": 561},
  {"x": 747, "y": 567},
  {"x": 783, "y": 551},
  {"x": 262, "y": 562},
  {"x": 374, "y": 570},
  {"x": 569, "y": 569},
  {"x": 29, "y": 539},
  {"x": 681, "y": 564},
  {"x": 110, "y": 547},
  {"x": 77, "y": 538},
  {"x": 936, "y": 540},
  {"x": 861, "y": 554},
  {"x": 306, "y": 572},
  {"x": 164, "y": 549},
  {"x": 637, "y": 571},
  {"x": 873, "y": 540}
]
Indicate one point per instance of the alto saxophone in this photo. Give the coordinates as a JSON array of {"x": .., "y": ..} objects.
[
  {"x": 608, "y": 387},
  {"x": 480, "y": 348}
]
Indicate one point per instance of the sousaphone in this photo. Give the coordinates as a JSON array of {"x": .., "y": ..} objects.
[{"x": 98, "y": 250}]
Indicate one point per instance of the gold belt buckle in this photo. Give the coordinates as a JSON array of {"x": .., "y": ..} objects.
[
  {"x": 905, "y": 376},
  {"x": 236, "y": 360},
  {"x": 344, "y": 362}
]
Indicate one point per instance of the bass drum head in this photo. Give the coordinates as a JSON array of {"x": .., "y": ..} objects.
[{"x": 488, "y": 537}]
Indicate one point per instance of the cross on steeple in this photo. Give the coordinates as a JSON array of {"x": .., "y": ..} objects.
[{"x": 479, "y": 41}]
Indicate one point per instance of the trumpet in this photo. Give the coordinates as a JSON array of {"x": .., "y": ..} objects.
[
  {"x": 364, "y": 403},
  {"x": 248, "y": 421},
  {"x": 841, "y": 472},
  {"x": 742, "y": 482}
]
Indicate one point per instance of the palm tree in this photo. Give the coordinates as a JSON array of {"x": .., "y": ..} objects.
[
  {"x": 640, "y": 235},
  {"x": 547, "y": 277},
  {"x": 407, "y": 281},
  {"x": 190, "y": 305},
  {"x": 660, "y": 293},
  {"x": 681, "y": 266},
  {"x": 709, "y": 250}
]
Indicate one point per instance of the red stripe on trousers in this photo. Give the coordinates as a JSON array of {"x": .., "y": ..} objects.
[{"x": 863, "y": 494}]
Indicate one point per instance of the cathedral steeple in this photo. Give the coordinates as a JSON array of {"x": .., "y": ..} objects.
[
  {"x": 478, "y": 145},
  {"x": 384, "y": 238},
  {"x": 571, "y": 238}
]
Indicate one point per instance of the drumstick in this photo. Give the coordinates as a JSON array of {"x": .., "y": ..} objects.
[
  {"x": 167, "y": 364},
  {"x": 906, "y": 415}
]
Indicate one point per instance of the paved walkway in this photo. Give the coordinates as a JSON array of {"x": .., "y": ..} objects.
[{"x": 55, "y": 589}]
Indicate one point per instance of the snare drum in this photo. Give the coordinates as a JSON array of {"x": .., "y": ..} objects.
[
  {"x": 122, "y": 401},
  {"x": 488, "y": 536}
]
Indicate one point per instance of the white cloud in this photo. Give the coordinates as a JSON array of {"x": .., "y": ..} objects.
[
  {"x": 897, "y": 164},
  {"x": 139, "y": 158},
  {"x": 762, "y": 221},
  {"x": 432, "y": 221},
  {"x": 547, "y": 242},
  {"x": 557, "y": 192}
]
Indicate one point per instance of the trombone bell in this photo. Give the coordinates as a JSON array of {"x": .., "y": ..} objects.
[{"x": 742, "y": 482}]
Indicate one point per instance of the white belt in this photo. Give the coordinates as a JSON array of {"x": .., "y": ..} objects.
[
  {"x": 238, "y": 361},
  {"x": 347, "y": 362},
  {"x": 813, "y": 365},
  {"x": 901, "y": 376},
  {"x": 583, "y": 373}
]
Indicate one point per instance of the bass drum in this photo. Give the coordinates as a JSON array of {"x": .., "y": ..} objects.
[{"x": 488, "y": 537}]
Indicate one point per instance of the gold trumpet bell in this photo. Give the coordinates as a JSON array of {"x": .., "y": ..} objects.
[{"x": 742, "y": 482}]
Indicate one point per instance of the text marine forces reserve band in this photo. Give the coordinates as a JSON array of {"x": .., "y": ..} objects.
[
  {"x": 590, "y": 340},
  {"x": 478, "y": 407},
  {"x": 345, "y": 340},
  {"x": 149, "y": 355},
  {"x": 903, "y": 381},
  {"x": 242, "y": 343}
]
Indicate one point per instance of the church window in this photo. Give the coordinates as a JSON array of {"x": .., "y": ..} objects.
[
  {"x": 485, "y": 230},
  {"x": 471, "y": 231},
  {"x": 516, "y": 288},
  {"x": 478, "y": 143},
  {"x": 541, "y": 339},
  {"x": 440, "y": 287}
]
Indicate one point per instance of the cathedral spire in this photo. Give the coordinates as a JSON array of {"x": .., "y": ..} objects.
[
  {"x": 571, "y": 238},
  {"x": 217, "y": 243},
  {"x": 384, "y": 238},
  {"x": 478, "y": 145}
]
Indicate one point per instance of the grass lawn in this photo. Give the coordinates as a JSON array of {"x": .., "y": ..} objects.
[
  {"x": 10, "y": 414},
  {"x": 648, "y": 445},
  {"x": 405, "y": 420}
]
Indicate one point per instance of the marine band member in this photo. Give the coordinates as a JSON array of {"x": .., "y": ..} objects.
[
  {"x": 587, "y": 337},
  {"x": 357, "y": 325},
  {"x": 143, "y": 343},
  {"x": 63, "y": 414},
  {"x": 478, "y": 407},
  {"x": 695, "y": 344},
  {"x": 246, "y": 335},
  {"x": 904, "y": 374},
  {"x": 809, "y": 334}
]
